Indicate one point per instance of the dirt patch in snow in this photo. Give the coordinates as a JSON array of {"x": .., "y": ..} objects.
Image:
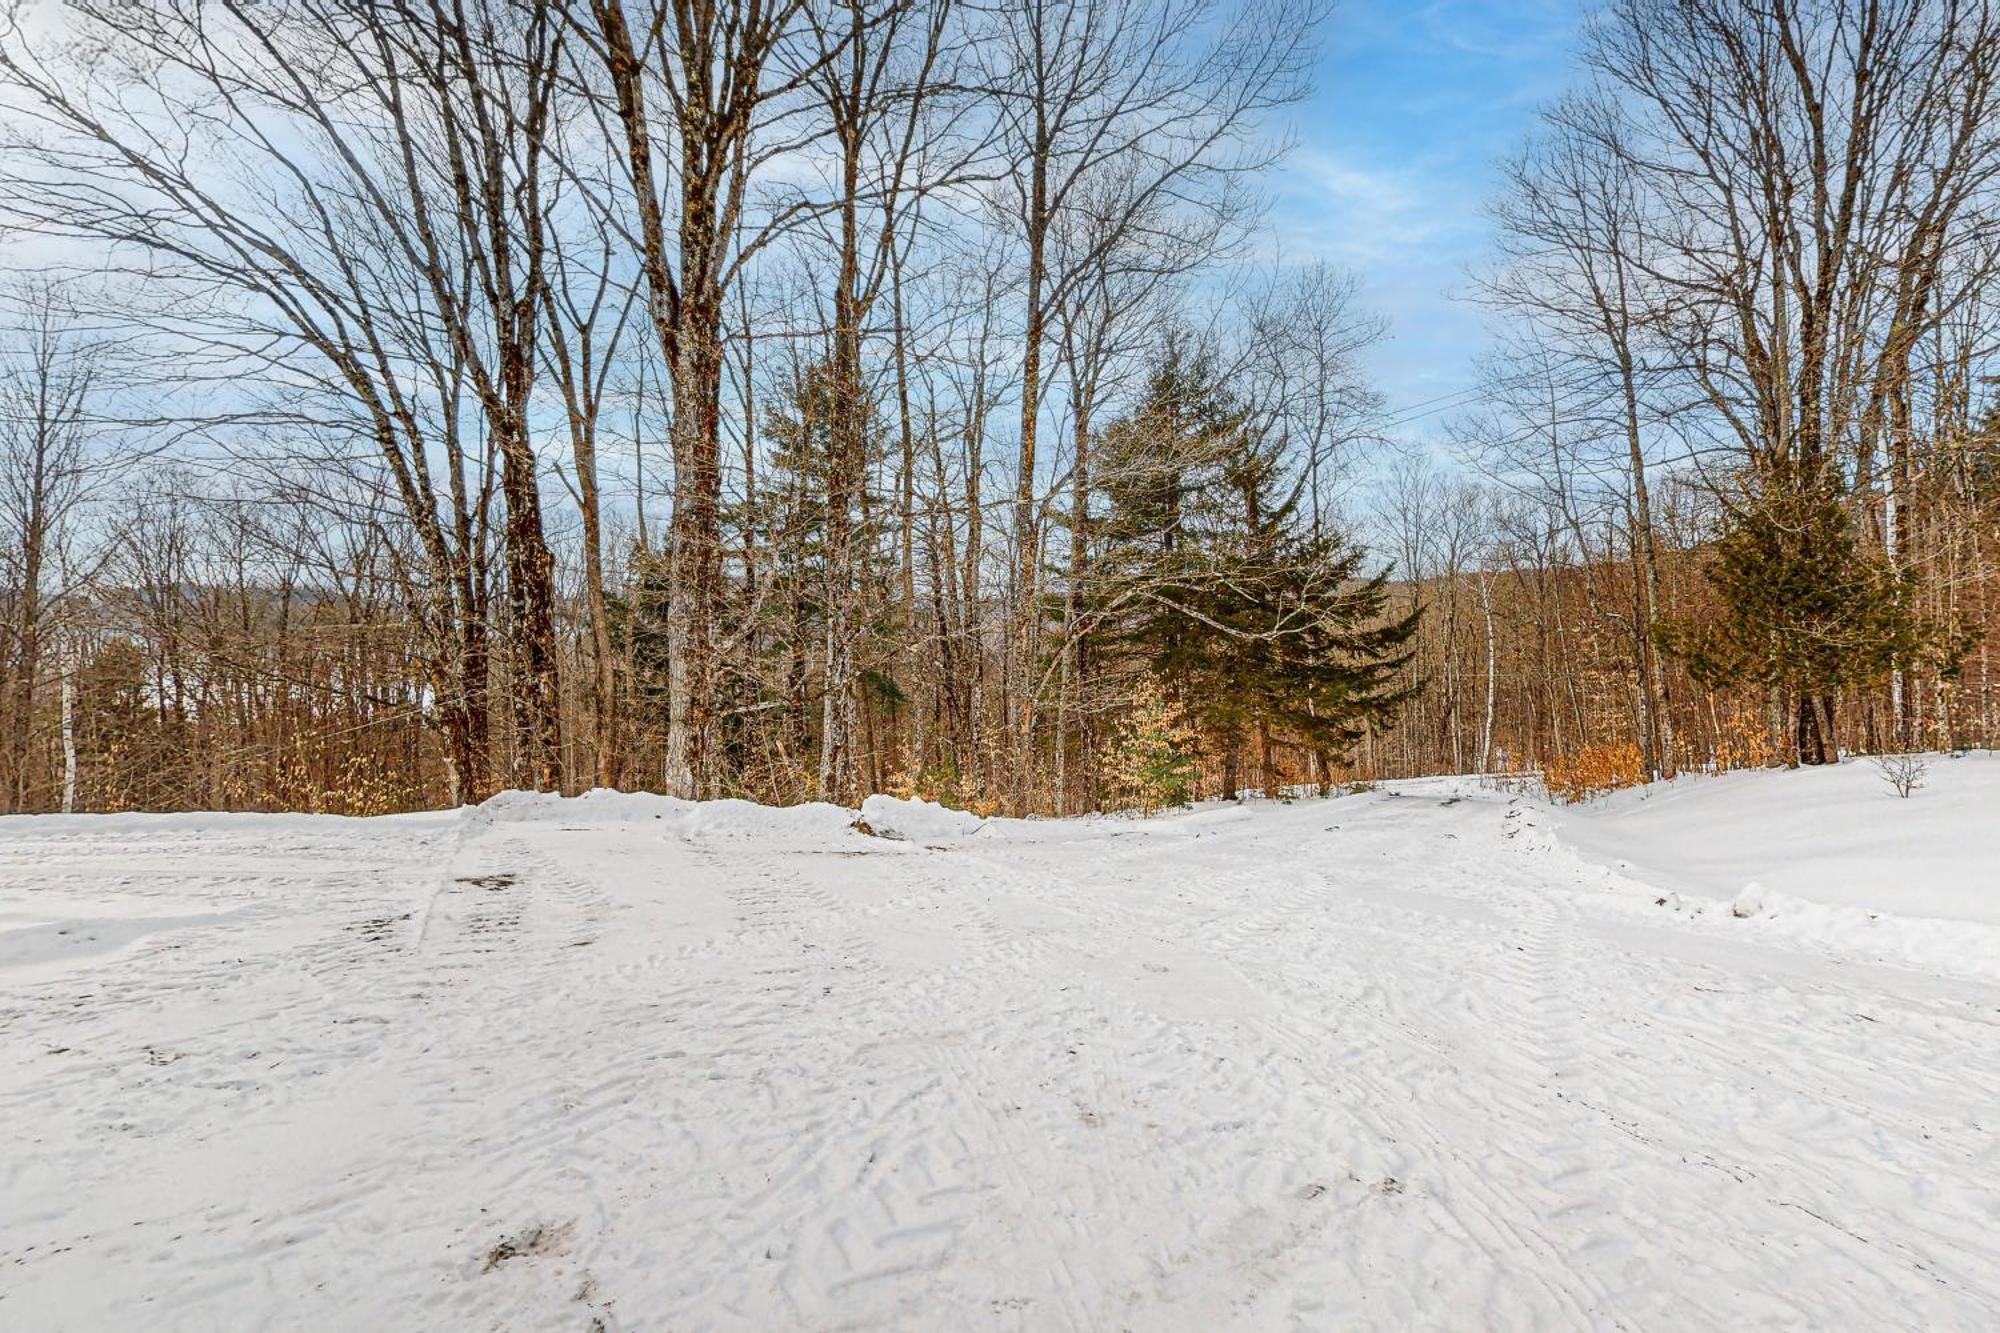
[{"x": 541, "y": 1238}]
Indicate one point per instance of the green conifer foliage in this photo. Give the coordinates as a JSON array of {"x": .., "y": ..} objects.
[
  {"x": 1807, "y": 609},
  {"x": 1223, "y": 592}
]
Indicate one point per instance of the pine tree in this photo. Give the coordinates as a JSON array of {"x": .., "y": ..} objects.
[
  {"x": 1807, "y": 609},
  {"x": 782, "y": 594},
  {"x": 1263, "y": 626}
]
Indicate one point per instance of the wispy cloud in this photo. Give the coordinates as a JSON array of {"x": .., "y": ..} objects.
[{"x": 1396, "y": 159}]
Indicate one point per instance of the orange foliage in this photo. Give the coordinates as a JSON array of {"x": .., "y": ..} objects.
[
  {"x": 1743, "y": 740},
  {"x": 1592, "y": 771},
  {"x": 944, "y": 787}
]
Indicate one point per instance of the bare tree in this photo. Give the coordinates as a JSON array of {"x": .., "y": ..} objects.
[
  {"x": 414, "y": 201},
  {"x": 877, "y": 74},
  {"x": 1810, "y": 168},
  {"x": 1576, "y": 265},
  {"x": 50, "y": 384},
  {"x": 703, "y": 95},
  {"x": 1167, "y": 96}
]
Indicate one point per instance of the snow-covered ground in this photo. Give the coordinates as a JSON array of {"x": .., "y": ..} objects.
[{"x": 1423, "y": 1058}]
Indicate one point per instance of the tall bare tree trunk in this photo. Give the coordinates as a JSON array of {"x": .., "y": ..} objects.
[
  {"x": 69, "y": 732},
  {"x": 1027, "y": 552}
]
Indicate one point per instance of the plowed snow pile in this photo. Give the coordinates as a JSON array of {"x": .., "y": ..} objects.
[{"x": 1428, "y": 1057}]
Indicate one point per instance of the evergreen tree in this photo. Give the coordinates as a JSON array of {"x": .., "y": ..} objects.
[
  {"x": 1980, "y": 459},
  {"x": 1807, "y": 608},
  {"x": 1263, "y": 627},
  {"x": 781, "y": 592}
]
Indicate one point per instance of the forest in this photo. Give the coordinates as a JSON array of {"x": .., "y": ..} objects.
[{"x": 404, "y": 400}]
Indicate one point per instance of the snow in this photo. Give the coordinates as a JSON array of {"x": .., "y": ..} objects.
[
  {"x": 1827, "y": 857},
  {"x": 1437, "y": 1056},
  {"x": 921, "y": 821},
  {"x": 1836, "y": 835}
]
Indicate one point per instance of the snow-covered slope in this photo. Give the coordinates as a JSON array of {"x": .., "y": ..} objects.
[
  {"x": 1827, "y": 856},
  {"x": 1835, "y": 835},
  {"x": 1415, "y": 1059}
]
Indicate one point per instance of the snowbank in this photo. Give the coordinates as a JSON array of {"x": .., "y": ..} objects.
[
  {"x": 813, "y": 824},
  {"x": 919, "y": 821},
  {"x": 1829, "y": 855}
]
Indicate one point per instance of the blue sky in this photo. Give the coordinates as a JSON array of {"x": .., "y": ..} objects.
[{"x": 1414, "y": 103}]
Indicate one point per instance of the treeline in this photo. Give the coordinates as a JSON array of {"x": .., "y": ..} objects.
[
  {"x": 1529, "y": 650},
  {"x": 794, "y": 399},
  {"x": 726, "y": 398},
  {"x": 1755, "y": 247}
]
